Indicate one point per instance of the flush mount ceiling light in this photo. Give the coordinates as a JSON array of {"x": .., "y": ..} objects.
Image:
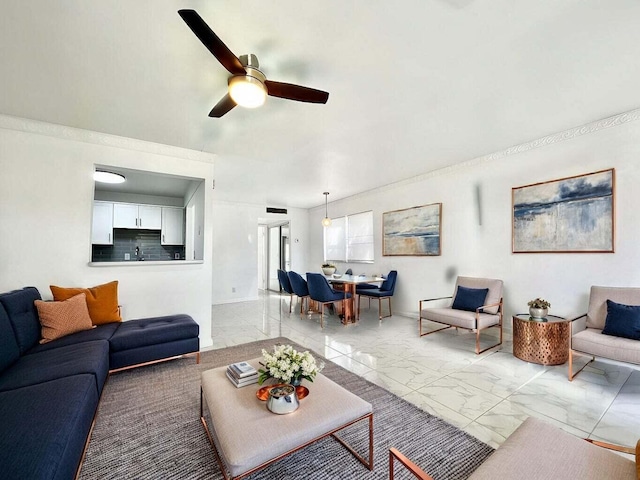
[
  {"x": 326, "y": 221},
  {"x": 103, "y": 176}
]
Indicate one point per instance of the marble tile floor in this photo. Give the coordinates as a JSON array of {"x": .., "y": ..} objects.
[{"x": 487, "y": 395}]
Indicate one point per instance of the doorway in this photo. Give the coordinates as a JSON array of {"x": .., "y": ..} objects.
[{"x": 277, "y": 254}]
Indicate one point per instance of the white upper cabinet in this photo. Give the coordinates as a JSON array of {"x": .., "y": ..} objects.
[
  {"x": 128, "y": 215},
  {"x": 149, "y": 217},
  {"x": 102, "y": 228},
  {"x": 172, "y": 226}
]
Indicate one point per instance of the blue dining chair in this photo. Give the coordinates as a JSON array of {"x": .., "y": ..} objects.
[
  {"x": 385, "y": 291},
  {"x": 299, "y": 287},
  {"x": 285, "y": 285},
  {"x": 321, "y": 292}
]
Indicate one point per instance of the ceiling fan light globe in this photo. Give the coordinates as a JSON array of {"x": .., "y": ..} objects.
[{"x": 247, "y": 91}]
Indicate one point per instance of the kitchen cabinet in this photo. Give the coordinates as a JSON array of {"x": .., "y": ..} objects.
[
  {"x": 102, "y": 226},
  {"x": 129, "y": 215},
  {"x": 172, "y": 226}
]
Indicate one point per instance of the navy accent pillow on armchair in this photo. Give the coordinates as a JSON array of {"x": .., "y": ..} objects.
[
  {"x": 622, "y": 320},
  {"x": 469, "y": 298}
]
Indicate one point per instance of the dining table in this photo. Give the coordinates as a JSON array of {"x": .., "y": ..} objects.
[{"x": 348, "y": 284}]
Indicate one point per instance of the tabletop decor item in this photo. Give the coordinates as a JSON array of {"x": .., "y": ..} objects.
[
  {"x": 288, "y": 365},
  {"x": 328, "y": 268},
  {"x": 538, "y": 308},
  {"x": 282, "y": 399}
]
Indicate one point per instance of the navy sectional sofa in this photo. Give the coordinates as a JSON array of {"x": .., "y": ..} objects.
[{"x": 49, "y": 393}]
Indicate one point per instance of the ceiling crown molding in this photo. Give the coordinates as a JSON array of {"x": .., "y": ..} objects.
[
  {"x": 570, "y": 134},
  {"x": 37, "y": 127}
]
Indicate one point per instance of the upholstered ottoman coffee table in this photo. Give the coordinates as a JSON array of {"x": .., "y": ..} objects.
[{"x": 246, "y": 437}]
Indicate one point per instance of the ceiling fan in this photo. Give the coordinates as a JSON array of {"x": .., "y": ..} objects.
[{"x": 248, "y": 86}]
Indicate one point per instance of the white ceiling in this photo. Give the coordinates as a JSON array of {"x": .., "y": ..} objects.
[{"x": 415, "y": 85}]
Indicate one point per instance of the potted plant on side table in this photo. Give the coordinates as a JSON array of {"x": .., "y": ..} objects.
[{"x": 538, "y": 308}]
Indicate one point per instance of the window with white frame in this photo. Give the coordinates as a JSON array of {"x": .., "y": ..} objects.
[{"x": 349, "y": 238}]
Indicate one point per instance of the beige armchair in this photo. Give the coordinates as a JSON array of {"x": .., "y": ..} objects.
[
  {"x": 538, "y": 450},
  {"x": 477, "y": 317},
  {"x": 586, "y": 330}
]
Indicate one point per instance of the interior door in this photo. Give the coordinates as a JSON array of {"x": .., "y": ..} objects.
[
  {"x": 279, "y": 253},
  {"x": 274, "y": 258}
]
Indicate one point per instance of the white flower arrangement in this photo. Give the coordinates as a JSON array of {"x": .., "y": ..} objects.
[{"x": 288, "y": 365}]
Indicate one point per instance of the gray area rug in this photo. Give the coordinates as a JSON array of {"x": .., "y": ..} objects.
[{"x": 148, "y": 427}]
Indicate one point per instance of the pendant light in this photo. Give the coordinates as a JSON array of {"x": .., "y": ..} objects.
[{"x": 326, "y": 221}]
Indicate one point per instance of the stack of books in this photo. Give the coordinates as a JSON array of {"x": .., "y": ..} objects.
[{"x": 242, "y": 374}]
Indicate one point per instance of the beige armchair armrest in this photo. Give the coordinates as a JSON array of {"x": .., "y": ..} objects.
[
  {"x": 498, "y": 304},
  {"x": 432, "y": 299},
  {"x": 578, "y": 324},
  {"x": 417, "y": 472}
]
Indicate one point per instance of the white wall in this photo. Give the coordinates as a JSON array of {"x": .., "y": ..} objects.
[
  {"x": 485, "y": 250},
  {"x": 46, "y": 197},
  {"x": 235, "y": 248}
]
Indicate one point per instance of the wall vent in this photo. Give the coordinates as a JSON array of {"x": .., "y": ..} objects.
[{"x": 276, "y": 210}]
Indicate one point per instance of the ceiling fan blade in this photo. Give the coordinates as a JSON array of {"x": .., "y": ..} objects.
[
  {"x": 295, "y": 92},
  {"x": 212, "y": 42},
  {"x": 222, "y": 107}
]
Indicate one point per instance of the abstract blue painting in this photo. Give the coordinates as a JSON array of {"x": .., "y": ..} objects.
[
  {"x": 572, "y": 214},
  {"x": 412, "y": 231}
]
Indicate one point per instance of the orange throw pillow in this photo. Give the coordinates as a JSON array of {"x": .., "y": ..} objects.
[
  {"x": 63, "y": 318},
  {"x": 102, "y": 301}
]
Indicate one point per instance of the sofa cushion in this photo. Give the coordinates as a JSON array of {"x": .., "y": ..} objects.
[
  {"x": 151, "y": 353},
  {"x": 9, "y": 351},
  {"x": 87, "y": 357},
  {"x": 63, "y": 318},
  {"x": 101, "y": 332},
  {"x": 622, "y": 320},
  {"x": 102, "y": 301},
  {"x": 152, "y": 331},
  {"x": 469, "y": 299},
  {"x": 45, "y": 427},
  {"x": 597, "y": 313},
  {"x": 21, "y": 310},
  {"x": 592, "y": 341},
  {"x": 538, "y": 450},
  {"x": 460, "y": 318}
]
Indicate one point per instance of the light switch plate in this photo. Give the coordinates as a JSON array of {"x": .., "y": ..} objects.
[{"x": 127, "y": 256}]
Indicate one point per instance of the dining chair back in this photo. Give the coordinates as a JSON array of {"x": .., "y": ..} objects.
[
  {"x": 385, "y": 291},
  {"x": 321, "y": 292},
  {"x": 285, "y": 285},
  {"x": 299, "y": 287}
]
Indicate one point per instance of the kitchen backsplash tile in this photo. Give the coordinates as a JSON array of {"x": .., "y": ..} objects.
[{"x": 126, "y": 240}]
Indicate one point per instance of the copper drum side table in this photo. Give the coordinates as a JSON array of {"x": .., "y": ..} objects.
[{"x": 544, "y": 341}]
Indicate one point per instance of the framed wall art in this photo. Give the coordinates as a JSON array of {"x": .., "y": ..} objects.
[
  {"x": 412, "y": 231},
  {"x": 574, "y": 214}
]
